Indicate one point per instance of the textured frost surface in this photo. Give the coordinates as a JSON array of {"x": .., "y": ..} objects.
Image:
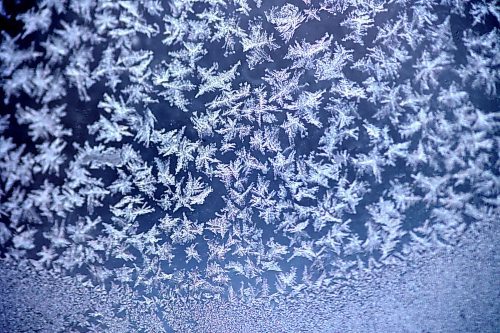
[{"x": 247, "y": 165}]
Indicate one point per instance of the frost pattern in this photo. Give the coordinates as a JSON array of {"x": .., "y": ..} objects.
[{"x": 155, "y": 154}]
